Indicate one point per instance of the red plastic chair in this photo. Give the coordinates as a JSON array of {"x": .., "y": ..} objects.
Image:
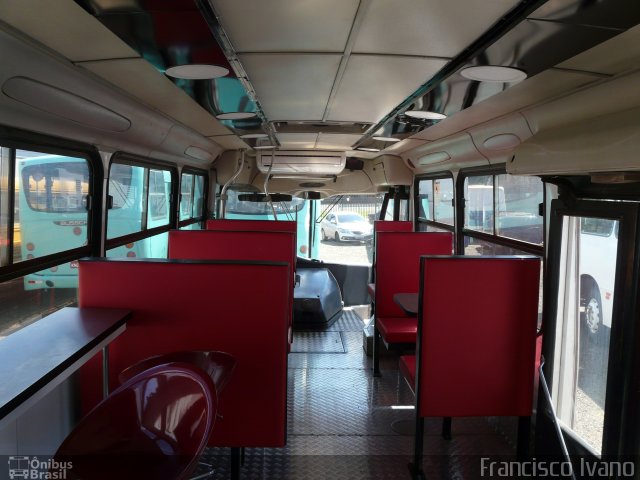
[
  {"x": 219, "y": 366},
  {"x": 155, "y": 426},
  {"x": 477, "y": 327}
]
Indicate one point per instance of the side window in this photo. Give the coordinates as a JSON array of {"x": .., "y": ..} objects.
[
  {"x": 50, "y": 211},
  {"x": 45, "y": 215},
  {"x": 192, "y": 200},
  {"x": 504, "y": 207},
  {"x": 140, "y": 200},
  {"x": 434, "y": 204}
]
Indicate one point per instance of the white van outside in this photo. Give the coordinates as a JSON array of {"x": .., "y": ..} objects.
[{"x": 598, "y": 250}]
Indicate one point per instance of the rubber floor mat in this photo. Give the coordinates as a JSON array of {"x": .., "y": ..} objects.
[{"x": 317, "y": 342}]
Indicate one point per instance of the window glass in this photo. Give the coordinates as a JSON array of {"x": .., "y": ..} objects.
[
  {"x": 425, "y": 200},
  {"x": 37, "y": 295},
  {"x": 585, "y": 306},
  {"x": 5, "y": 158},
  {"x": 350, "y": 239},
  {"x": 151, "y": 247},
  {"x": 193, "y": 226},
  {"x": 404, "y": 210},
  {"x": 50, "y": 214},
  {"x": 186, "y": 196},
  {"x": 198, "y": 196},
  {"x": 424, "y": 227},
  {"x": 517, "y": 206},
  {"x": 478, "y": 194},
  {"x": 159, "y": 192},
  {"x": 443, "y": 200},
  {"x": 128, "y": 191}
]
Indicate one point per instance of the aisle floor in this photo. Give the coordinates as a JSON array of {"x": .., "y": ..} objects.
[{"x": 345, "y": 424}]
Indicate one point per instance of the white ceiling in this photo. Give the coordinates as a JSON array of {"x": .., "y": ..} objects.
[
  {"x": 292, "y": 86},
  {"x": 434, "y": 28},
  {"x": 347, "y": 60}
]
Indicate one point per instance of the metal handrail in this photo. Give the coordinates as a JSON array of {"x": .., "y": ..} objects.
[{"x": 556, "y": 424}]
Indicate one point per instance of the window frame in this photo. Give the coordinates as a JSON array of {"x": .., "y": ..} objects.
[
  {"x": 16, "y": 139},
  {"x": 205, "y": 195},
  {"x": 416, "y": 203},
  {"x": 123, "y": 158},
  {"x": 460, "y": 206}
]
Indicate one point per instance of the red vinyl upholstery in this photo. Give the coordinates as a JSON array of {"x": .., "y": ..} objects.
[
  {"x": 477, "y": 336},
  {"x": 407, "y": 366},
  {"x": 398, "y": 329},
  {"x": 238, "y": 307},
  {"x": 253, "y": 225},
  {"x": 276, "y": 246},
  {"x": 395, "y": 226},
  {"x": 398, "y": 265}
]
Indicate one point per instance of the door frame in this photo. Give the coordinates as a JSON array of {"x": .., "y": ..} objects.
[{"x": 621, "y": 435}]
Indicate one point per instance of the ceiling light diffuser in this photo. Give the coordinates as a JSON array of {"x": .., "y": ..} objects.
[
  {"x": 493, "y": 73},
  {"x": 235, "y": 115},
  {"x": 264, "y": 147},
  {"x": 424, "y": 115},
  {"x": 254, "y": 135},
  {"x": 367, "y": 149},
  {"x": 197, "y": 72},
  {"x": 387, "y": 139}
]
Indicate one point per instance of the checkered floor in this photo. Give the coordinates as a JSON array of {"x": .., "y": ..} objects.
[{"x": 346, "y": 424}]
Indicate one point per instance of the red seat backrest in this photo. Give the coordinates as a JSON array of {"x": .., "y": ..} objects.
[
  {"x": 237, "y": 245},
  {"x": 237, "y": 307},
  {"x": 477, "y": 336},
  {"x": 395, "y": 226},
  {"x": 253, "y": 225},
  {"x": 398, "y": 264}
]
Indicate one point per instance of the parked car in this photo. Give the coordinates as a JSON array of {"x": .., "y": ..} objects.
[{"x": 346, "y": 226}]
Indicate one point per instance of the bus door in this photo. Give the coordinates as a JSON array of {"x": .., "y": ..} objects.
[{"x": 590, "y": 343}]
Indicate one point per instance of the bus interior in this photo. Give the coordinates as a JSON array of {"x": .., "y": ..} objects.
[{"x": 507, "y": 129}]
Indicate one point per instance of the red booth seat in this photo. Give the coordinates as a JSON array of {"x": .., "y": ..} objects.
[
  {"x": 398, "y": 265},
  {"x": 407, "y": 365},
  {"x": 277, "y": 246},
  {"x": 476, "y": 350},
  {"x": 182, "y": 305},
  {"x": 398, "y": 329}
]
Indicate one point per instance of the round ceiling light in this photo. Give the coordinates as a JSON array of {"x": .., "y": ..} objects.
[
  {"x": 387, "y": 139},
  {"x": 254, "y": 135},
  {"x": 197, "y": 72},
  {"x": 493, "y": 73},
  {"x": 424, "y": 115},
  {"x": 235, "y": 115},
  {"x": 367, "y": 149}
]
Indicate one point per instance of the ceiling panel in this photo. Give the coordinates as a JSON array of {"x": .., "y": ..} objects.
[
  {"x": 229, "y": 142},
  {"x": 373, "y": 85},
  {"x": 64, "y": 27},
  {"x": 290, "y": 86},
  {"x": 292, "y": 141},
  {"x": 338, "y": 141},
  {"x": 614, "y": 56},
  {"x": 543, "y": 86},
  {"x": 139, "y": 78},
  {"x": 441, "y": 28},
  {"x": 287, "y": 25}
]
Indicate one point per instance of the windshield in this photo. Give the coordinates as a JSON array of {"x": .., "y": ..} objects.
[{"x": 349, "y": 218}]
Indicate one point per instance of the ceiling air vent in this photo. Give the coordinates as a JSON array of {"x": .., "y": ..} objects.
[
  {"x": 302, "y": 162},
  {"x": 312, "y": 185}
]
